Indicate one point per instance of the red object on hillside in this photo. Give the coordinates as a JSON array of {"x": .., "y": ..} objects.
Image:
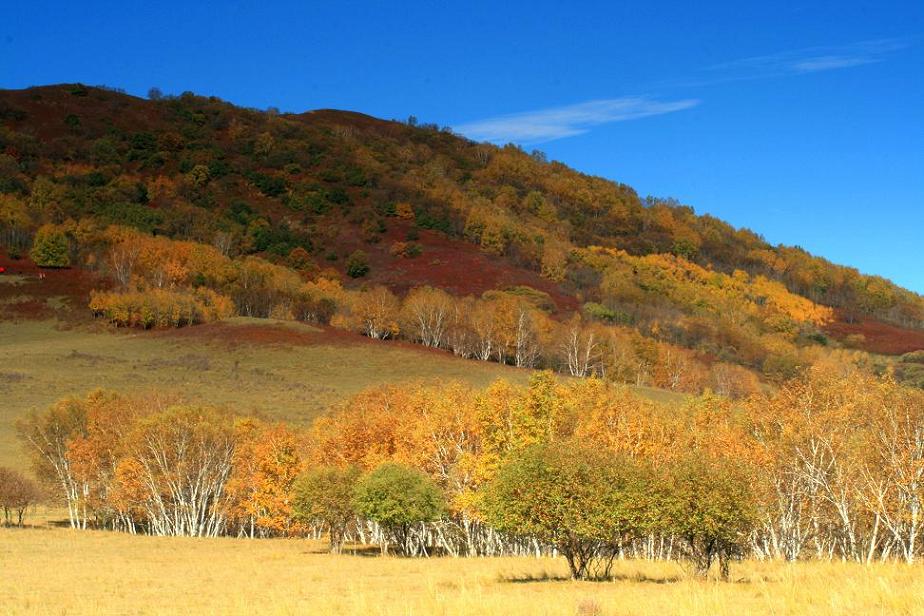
[{"x": 2, "y": 269}]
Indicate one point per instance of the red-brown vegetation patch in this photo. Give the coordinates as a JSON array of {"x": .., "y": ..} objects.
[
  {"x": 47, "y": 107},
  {"x": 457, "y": 266},
  {"x": 326, "y": 117},
  {"x": 876, "y": 336},
  {"x": 32, "y": 292}
]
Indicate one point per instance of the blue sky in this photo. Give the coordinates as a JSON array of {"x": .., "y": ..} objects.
[{"x": 804, "y": 122}]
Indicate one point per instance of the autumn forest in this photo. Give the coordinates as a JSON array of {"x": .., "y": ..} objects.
[{"x": 641, "y": 384}]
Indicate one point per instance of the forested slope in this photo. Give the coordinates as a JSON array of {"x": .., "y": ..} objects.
[{"x": 195, "y": 209}]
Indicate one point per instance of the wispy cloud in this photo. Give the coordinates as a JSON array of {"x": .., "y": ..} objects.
[
  {"x": 827, "y": 63},
  {"x": 810, "y": 60},
  {"x": 530, "y": 127},
  {"x": 557, "y": 122}
]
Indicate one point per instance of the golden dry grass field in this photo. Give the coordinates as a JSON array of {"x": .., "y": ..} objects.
[
  {"x": 280, "y": 370},
  {"x": 293, "y": 372},
  {"x": 58, "y": 571}
]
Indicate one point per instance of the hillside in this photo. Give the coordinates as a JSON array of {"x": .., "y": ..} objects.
[
  {"x": 349, "y": 201},
  {"x": 278, "y": 370}
]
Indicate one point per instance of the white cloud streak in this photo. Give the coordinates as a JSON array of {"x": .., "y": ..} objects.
[
  {"x": 531, "y": 127},
  {"x": 558, "y": 122},
  {"x": 810, "y": 60}
]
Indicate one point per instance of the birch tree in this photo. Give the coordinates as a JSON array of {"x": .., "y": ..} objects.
[
  {"x": 183, "y": 458},
  {"x": 427, "y": 312}
]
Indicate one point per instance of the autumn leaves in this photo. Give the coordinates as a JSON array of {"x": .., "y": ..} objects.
[{"x": 829, "y": 466}]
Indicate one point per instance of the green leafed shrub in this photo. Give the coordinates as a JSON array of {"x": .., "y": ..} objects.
[
  {"x": 50, "y": 247},
  {"x": 582, "y": 502},
  {"x": 357, "y": 264},
  {"x": 324, "y": 496},
  {"x": 397, "y": 498}
]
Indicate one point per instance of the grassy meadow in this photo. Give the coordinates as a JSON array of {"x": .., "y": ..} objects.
[
  {"x": 281, "y": 370},
  {"x": 59, "y": 571},
  {"x": 276, "y": 369}
]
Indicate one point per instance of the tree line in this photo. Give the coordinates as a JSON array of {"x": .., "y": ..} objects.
[
  {"x": 827, "y": 467},
  {"x": 158, "y": 282}
]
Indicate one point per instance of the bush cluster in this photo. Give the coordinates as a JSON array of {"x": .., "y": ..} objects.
[{"x": 157, "y": 308}]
